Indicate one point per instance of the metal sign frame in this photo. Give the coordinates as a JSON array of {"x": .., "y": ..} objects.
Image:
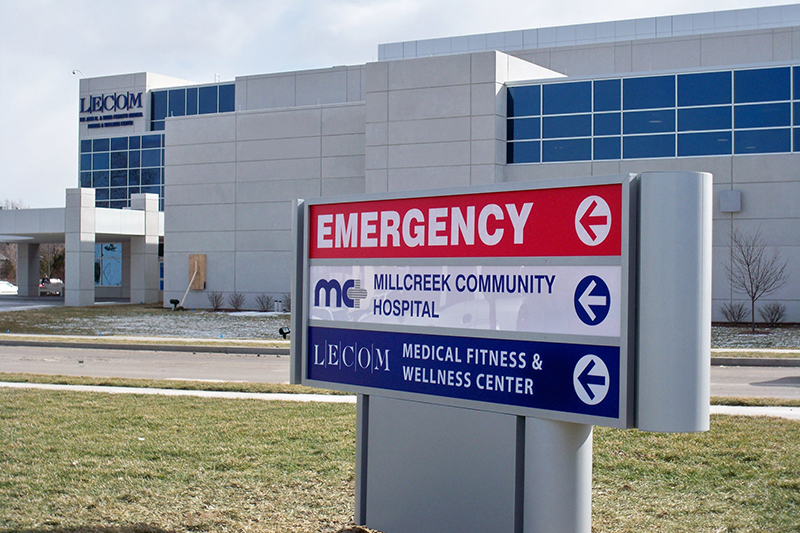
[{"x": 622, "y": 416}]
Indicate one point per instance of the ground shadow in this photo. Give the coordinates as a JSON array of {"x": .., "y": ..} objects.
[
  {"x": 789, "y": 381},
  {"x": 138, "y": 528}
]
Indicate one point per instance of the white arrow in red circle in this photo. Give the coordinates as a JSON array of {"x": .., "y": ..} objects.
[{"x": 593, "y": 220}]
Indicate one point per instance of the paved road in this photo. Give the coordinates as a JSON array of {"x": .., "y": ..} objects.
[
  {"x": 774, "y": 382},
  {"x": 145, "y": 364}
]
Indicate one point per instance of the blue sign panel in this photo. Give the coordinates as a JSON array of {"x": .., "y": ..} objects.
[{"x": 570, "y": 378}]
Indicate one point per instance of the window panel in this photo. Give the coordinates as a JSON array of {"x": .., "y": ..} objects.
[
  {"x": 797, "y": 139},
  {"x": 797, "y": 114},
  {"x": 100, "y": 145},
  {"x": 523, "y": 128},
  {"x": 150, "y": 190},
  {"x": 208, "y": 100},
  {"x": 119, "y": 143},
  {"x": 524, "y": 101},
  {"x": 177, "y": 102},
  {"x": 560, "y": 98},
  {"x": 711, "y": 143},
  {"x": 134, "y": 143},
  {"x": 86, "y": 179},
  {"x": 100, "y": 161},
  {"x": 119, "y": 178},
  {"x": 607, "y": 123},
  {"x": 648, "y": 93},
  {"x": 797, "y": 83},
  {"x": 648, "y": 146},
  {"x": 762, "y": 115},
  {"x": 649, "y": 121},
  {"x": 119, "y": 159},
  {"x": 762, "y": 141},
  {"x": 134, "y": 158},
  {"x": 707, "y": 88},
  {"x": 567, "y": 150},
  {"x": 704, "y": 118},
  {"x": 159, "y": 103},
  {"x": 227, "y": 98},
  {"x": 151, "y": 141},
  {"x": 567, "y": 126},
  {"x": 118, "y": 204},
  {"x": 151, "y": 176},
  {"x": 761, "y": 85},
  {"x": 133, "y": 177},
  {"x": 158, "y": 126},
  {"x": 607, "y": 148},
  {"x": 151, "y": 158},
  {"x": 86, "y": 161},
  {"x": 100, "y": 178},
  {"x": 191, "y": 101},
  {"x": 118, "y": 193},
  {"x": 523, "y": 152},
  {"x": 607, "y": 95},
  {"x": 133, "y": 190},
  {"x": 101, "y": 194},
  {"x": 86, "y": 145}
]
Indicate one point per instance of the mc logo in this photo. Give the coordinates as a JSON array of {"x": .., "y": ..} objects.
[{"x": 349, "y": 293}]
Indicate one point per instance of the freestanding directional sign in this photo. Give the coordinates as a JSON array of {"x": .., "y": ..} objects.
[
  {"x": 520, "y": 316},
  {"x": 491, "y": 299}
]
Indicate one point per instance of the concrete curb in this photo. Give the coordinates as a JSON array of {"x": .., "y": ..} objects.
[
  {"x": 254, "y": 350},
  {"x": 755, "y": 361}
]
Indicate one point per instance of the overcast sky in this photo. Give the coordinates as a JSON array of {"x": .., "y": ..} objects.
[{"x": 43, "y": 41}]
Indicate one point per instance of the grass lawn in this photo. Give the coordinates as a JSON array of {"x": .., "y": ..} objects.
[{"x": 82, "y": 462}]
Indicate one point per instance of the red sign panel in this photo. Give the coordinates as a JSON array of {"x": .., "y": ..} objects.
[{"x": 571, "y": 221}]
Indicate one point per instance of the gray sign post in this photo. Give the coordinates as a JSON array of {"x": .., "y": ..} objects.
[{"x": 487, "y": 330}]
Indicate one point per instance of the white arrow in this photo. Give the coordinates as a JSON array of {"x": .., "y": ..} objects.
[{"x": 587, "y": 300}]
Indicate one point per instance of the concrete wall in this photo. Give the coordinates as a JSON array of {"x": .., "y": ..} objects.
[{"x": 230, "y": 182}]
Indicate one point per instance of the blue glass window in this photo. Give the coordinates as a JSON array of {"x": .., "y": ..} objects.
[
  {"x": 119, "y": 143},
  {"x": 86, "y": 179},
  {"x": 191, "y": 101},
  {"x": 86, "y": 145},
  {"x": 524, "y": 101},
  {"x": 118, "y": 193},
  {"x": 133, "y": 177},
  {"x": 762, "y": 115},
  {"x": 797, "y": 113},
  {"x": 159, "y": 103},
  {"x": 797, "y": 139},
  {"x": 567, "y": 150},
  {"x": 708, "y": 88},
  {"x": 151, "y": 158},
  {"x": 100, "y": 178},
  {"x": 134, "y": 158},
  {"x": 567, "y": 126},
  {"x": 643, "y": 146},
  {"x": 648, "y": 93},
  {"x": 607, "y": 123},
  {"x": 762, "y": 141},
  {"x": 151, "y": 190},
  {"x": 761, "y": 85},
  {"x": 607, "y": 95},
  {"x": 100, "y": 145},
  {"x": 133, "y": 190},
  {"x": 134, "y": 143},
  {"x": 704, "y": 118},
  {"x": 607, "y": 148},
  {"x": 119, "y": 159},
  {"x": 523, "y": 152},
  {"x": 797, "y": 83},
  {"x": 523, "y": 128},
  {"x": 100, "y": 203},
  {"x": 100, "y": 161},
  {"x": 227, "y": 98},
  {"x": 177, "y": 102},
  {"x": 649, "y": 121},
  {"x": 158, "y": 126},
  {"x": 119, "y": 178},
  {"x": 151, "y": 176},
  {"x": 151, "y": 141},
  {"x": 86, "y": 161},
  {"x": 118, "y": 204},
  {"x": 708, "y": 143},
  {"x": 208, "y": 100},
  {"x": 560, "y": 98},
  {"x": 101, "y": 194}
]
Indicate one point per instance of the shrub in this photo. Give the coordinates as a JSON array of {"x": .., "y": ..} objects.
[
  {"x": 773, "y": 313},
  {"x": 236, "y": 301},
  {"x": 265, "y": 302},
  {"x": 287, "y": 302},
  {"x": 735, "y": 313},
  {"x": 215, "y": 299}
]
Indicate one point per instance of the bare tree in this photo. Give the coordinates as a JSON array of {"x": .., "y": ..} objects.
[{"x": 753, "y": 271}]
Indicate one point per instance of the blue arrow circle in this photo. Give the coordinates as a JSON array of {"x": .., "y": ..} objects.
[{"x": 592, "y": 300}]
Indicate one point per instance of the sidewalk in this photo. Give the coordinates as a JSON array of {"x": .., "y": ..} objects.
[{"x": 790, "y": 413}]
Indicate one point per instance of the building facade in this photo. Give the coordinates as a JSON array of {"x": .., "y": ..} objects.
[{"x": 716, "y": 92}]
